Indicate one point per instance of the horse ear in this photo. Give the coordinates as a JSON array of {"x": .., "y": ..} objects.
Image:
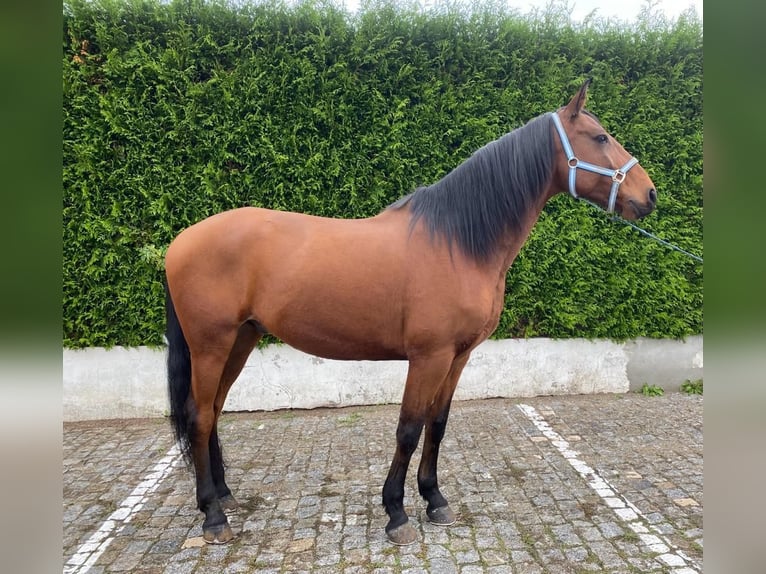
[{"x": 577, "y": 103}]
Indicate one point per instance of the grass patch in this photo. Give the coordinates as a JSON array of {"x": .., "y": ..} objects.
[
  {"x": 327, "y": 492},
  {"x": 516, "y": 472},
  {"x": 692, "y": 387},
  {"x": 589, "y": 508},
  {"x": 529, "y": 542},
  {"x": 592, "y": 558},
  {"x": 695, "y": 546},
  {"x": 349, "y": 420},
  {"x": 651, "y": 390},
  {"x": 390, "y": 551},
  {"x": 630, "y": 537}
]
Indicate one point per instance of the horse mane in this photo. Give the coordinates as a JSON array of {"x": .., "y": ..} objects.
[{"x": 490, "y": 193}]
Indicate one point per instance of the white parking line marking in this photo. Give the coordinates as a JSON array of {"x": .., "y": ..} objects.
[
  {"x": 99, "y": 541},
  {"x": 667, "y": 553}
]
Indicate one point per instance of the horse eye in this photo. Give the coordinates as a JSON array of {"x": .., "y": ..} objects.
[{"x": 602, "y": 138}]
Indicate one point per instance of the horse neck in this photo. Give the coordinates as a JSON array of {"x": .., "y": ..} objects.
[{"x": 512, "y": 242}]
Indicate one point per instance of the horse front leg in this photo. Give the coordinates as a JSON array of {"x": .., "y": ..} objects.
[
  {"x": 407, "y": 436},
  {"x": 423, "y": 379},
  {"x": 438, "y": 509}
]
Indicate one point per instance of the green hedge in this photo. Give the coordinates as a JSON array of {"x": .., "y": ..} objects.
[{"x": 174, "y": 111}]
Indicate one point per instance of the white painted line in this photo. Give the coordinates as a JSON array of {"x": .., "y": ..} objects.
[
  {"x": 627, "y": 512},
  {"x": 92, "y": 549}
]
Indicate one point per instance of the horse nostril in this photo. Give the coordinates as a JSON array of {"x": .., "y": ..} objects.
[{"x": 652, "y": 196}]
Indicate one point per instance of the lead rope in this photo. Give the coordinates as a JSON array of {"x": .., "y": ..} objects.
[
  {"x": 653, "y": 236},
  {"x": 618, "y": 219}
]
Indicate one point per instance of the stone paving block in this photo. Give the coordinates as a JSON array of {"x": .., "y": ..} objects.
[
  {"x": 521, "y": 556},
  {"x": 444, "y": 565},
  {"x": 467, "y": 556},
  {"x": 493, "y": 557},
  {"x": 611, "y": 529},
  {"x": 309, "y": 485},
  {"x": 529, "y": 568}
]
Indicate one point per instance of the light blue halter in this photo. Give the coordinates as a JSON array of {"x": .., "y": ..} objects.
[{"x": 617, "y": 175}]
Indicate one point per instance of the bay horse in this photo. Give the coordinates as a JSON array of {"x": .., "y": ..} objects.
[{"x": 422, "y": 281}]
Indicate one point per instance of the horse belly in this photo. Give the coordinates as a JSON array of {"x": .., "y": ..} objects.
[{"x": 347, "y": 322}]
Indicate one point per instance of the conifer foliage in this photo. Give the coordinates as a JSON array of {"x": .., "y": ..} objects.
[{"x": 176, "y": 110}]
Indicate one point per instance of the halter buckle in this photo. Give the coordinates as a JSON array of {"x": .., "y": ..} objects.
[{"x": 618, "y": 176}]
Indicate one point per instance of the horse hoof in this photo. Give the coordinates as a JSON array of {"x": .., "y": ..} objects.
[
  {"x": 403, "y": 535},
  {"x": 228, "y": 504},
  {"x": 218, "y": 534},
  {"x": 443, "y": 516}
]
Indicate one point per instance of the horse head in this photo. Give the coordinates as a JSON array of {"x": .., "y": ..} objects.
[{"x": 594, "y": 166}]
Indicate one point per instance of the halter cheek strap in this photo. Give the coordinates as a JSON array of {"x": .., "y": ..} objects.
[{"x": 617, "y": 175}]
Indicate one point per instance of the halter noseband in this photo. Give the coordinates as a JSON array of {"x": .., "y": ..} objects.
[{"x": 617, "y": 175}]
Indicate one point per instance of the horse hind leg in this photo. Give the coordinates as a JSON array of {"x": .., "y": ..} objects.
[
  {"x": 223, "y": 492},
  {"x": 214, "y": 370},
  {"x": 247, "y": 338},
  {"x": 207, "y": 368}
]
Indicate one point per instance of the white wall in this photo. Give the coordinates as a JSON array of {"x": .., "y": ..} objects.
[{"x": 130, "y": 382}]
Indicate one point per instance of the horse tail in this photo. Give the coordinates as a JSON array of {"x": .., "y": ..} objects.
[{"x": 179, "y": 377}]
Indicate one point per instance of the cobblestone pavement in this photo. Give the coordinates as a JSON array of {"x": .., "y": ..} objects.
[{"x": 570, "y": 484}]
